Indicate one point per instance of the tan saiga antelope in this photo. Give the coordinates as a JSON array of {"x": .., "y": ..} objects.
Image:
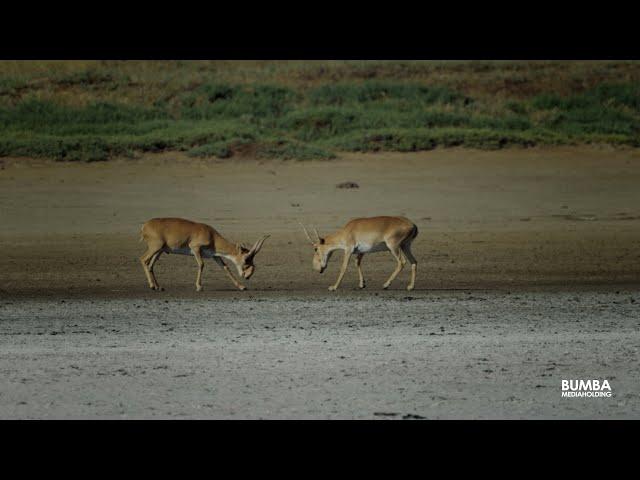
[
  {"x": 367, "y": 235},
  {"x": 184, "y": 237}
]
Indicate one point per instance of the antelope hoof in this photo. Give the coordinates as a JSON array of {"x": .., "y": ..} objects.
[
  {"x": 362, "y": 285},
  {"x": 333, "y": 288},
  {"x": 385, "y": 286},
  {"x": 241, "y": 287},
  {"x": 410, "y": 287},
  {"x": 198, "y": 288}
]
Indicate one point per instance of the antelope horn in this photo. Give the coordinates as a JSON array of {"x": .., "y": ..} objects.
[
  {"x": 257, "y": 246},
  {"x": 315, "y": 230},
  {"x": 307, "y": 233}
]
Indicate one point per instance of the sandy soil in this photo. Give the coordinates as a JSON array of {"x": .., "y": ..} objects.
[
  {"x": 486, "y": 219},
  {"x": 521, "y": 253}
]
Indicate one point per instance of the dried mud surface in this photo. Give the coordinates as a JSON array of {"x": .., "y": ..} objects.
[{"x": 529, "y": 267}]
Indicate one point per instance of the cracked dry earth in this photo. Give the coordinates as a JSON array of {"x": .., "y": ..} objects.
[{"x": 434, "y": 355}]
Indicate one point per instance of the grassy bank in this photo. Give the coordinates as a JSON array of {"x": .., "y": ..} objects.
[{"x": 306, "y": 110}]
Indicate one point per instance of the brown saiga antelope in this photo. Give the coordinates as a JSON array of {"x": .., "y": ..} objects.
[
  {"x": 367, "y": 235},
  {"x": 184, "y": 237}
]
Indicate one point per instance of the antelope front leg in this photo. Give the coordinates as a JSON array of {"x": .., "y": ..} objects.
[
  {"x": 228, "y": 272},
  {"x": 196, "y": 253},
  {"x": 345, "y": 264}
]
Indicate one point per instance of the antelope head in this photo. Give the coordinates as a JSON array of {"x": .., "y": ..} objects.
[
  {"x": 243, "y": 259},
  {"x": 322, "y": 251}
]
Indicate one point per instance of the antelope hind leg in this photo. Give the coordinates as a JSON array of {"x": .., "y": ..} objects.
[
  {"x": 406, "y": 249},
  {"x": 144, "y": 261},
  {"x": 153, "y": 275},
  {"x": 358, "y": 261},
  {"x": 395, "y": 251}
]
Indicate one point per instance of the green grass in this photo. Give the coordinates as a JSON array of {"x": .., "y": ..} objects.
[{"x": 93, "y": 111}]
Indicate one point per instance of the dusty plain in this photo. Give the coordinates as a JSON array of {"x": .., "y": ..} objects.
[{"x": 529, "y": 268}]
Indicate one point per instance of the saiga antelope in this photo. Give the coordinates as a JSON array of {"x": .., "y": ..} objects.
[
  {"x": 184, "y": 237},
  {"x": 367, "y": 235}
]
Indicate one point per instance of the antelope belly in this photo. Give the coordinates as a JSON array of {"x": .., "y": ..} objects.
[
  {"x": 204, "y": 252},
  {"x": 181, "y": 251},
  {"x": 370, "y": 248}
]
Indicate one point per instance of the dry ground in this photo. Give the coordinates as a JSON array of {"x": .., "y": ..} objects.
[
  {"x": 486, "y": 219},
  {"x": 430, "y": 354},
  {"x": 542, "y": 238}
]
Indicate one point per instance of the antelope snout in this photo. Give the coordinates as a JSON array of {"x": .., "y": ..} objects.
[{"x": 246, "y": 274}]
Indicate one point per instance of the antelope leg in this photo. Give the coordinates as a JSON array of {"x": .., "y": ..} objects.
[
  {"x": 228, "y": 272},
  {"x": 345, "y": 264}
]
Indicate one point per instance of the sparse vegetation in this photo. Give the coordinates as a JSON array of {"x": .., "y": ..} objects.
[{"x": 310, "y": 110}]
